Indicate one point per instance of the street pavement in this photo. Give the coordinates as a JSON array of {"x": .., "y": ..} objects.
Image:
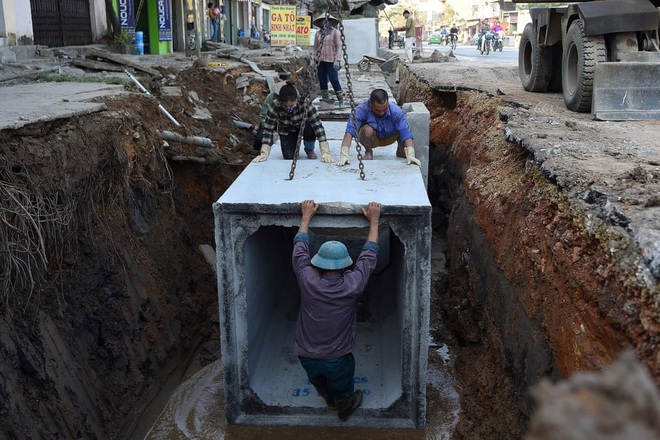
[{"x": 43, "y": 101}]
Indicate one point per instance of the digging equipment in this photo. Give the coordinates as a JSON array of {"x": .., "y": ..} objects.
[{"x": 603, "y": 55}]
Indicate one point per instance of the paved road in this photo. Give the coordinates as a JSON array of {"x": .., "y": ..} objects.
[{"x": 467, "y": 52}]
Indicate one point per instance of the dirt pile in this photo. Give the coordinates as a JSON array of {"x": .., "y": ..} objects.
[
  {"x": 541, "y": 284},
  {"x": 106, "y": 294}
]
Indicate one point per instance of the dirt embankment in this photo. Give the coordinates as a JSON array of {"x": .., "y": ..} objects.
[
  {"x": 105, "y": 292},
  {"x": 534, "y": 290}
]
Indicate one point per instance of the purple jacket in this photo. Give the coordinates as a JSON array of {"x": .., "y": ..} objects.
[{"x": 326, "y": 320}]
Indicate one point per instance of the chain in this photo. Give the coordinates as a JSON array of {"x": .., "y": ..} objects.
[
  {"x": 308, "y": 102},
  {"x": 349, "y": 85}
]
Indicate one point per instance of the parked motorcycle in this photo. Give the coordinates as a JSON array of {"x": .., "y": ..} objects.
[
  {"x": 399, "y": 41},
  {"x": 498, "y": 41}
]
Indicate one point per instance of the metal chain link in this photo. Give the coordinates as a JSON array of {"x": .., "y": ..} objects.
[
  {"x": 308, "y": 102},
  {"x": 349, "y": 85}
]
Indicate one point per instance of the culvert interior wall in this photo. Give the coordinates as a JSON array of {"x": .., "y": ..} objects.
[
  {"x": 273, "y": 300},
  {"x": 258, "y": 296}
]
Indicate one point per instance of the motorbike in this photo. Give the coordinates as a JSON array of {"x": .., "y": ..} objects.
[
  {"x": 486, "y": 42},
  {"x": 453, "y": 38},
  {"x": 444, "y": 40},
  {"x": 498, "y": 41},
  {"x": 399, "y": 41}
]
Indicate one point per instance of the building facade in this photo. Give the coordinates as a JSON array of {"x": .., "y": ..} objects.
[{"x": 163, "y": 23}]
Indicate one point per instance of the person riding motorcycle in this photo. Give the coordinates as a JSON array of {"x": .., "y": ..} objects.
[
  {"x": 483, "y": 29},
  {"x": 453, "y": 33},
  {"x": 443, "y": 36},
  {"x": 498, "y": 31}
]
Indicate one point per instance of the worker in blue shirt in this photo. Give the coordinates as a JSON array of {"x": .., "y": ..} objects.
[{"x": 379, "y": 123}]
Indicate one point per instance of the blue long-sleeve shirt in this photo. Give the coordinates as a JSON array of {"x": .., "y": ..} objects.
[
  {"x": 326, "y": 321},
  {"x": 393, "y": 121}
]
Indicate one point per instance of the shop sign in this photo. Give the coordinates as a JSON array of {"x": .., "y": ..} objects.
[
  {"x": 126, "y": 16},
  {"x": 164, "y": 20},
  {"x": 282, "y": 25},
  {"x": 303, "y": 30}
]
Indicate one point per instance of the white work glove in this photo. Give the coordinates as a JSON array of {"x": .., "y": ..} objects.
[
  {"x": 410, "y": 156},
  {"x": 336, "y": 65},
  {"x": 325, "y": 152},
  {"x": 343, "y": 155},
  {"x": 265, "y": 152}
]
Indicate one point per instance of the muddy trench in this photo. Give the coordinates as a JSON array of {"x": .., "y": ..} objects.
[{"x": 114, "y": 303}]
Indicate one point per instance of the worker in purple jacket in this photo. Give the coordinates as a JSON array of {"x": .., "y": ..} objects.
[{"x": 325, "y": 330}]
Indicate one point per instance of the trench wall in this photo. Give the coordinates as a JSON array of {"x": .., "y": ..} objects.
[
  {"x": 526, "y": 280},
  {"x": 118, "y": 311}
]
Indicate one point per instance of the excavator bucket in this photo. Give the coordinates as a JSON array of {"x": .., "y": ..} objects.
[{"x": 626, "y": 91}]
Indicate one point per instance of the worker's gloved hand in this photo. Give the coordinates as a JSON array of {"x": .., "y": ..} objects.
[
  {"x": 265, "y": 152},
  {"x": 343, "y": 155},
  {"x": 410, "y": 156},
  {"x": 325, "y": 152},
  {"x": 336, "y": 65}
]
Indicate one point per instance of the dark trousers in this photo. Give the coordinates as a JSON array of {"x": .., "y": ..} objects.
[
  {"x": 256, "y": 145},
  {"x": 327, "y": 72},
  {"x": 288, "y": 141},
  {"x": 334, "y": 375}
]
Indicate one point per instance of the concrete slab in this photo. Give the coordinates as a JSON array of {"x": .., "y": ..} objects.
[
  {"x": 40, "y": 102},
  {"x": 256, "y": 219}
]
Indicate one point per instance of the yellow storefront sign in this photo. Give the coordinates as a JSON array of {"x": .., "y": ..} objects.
[
  {"x": 282, "y": 25},
  {"x": 303, "y": 30}
]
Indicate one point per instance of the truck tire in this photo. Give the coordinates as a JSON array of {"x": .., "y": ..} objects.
[
  {"x": 578, "y": 63},
  {"x": 534, "y": 62}
]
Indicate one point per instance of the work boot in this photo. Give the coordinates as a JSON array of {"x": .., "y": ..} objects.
[
  {"x": 325, "y": 97},
  {"x": 329, "y": 400},
  {"x": 340, "y": 98},
  {"x": 348, "y": 406},
  {"x": 309, "y": 149}
]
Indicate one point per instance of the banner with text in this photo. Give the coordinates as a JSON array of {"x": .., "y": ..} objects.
[
  {"x": 164, "y": 20},
  {"x": 303, "y": 34},
  {"x": 125, "y": 15},
  {"x": 282, "y": 25}
]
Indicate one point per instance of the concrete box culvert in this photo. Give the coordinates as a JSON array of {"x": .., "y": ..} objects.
[{"x": 264, "y": 383}]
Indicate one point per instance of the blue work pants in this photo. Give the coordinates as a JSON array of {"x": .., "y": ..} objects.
[
  {"x": 334, "y": 375},
  {"x": 327, "y": 72}
]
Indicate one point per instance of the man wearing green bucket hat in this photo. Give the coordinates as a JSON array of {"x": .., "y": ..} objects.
[{"x": 325, "y": 330}]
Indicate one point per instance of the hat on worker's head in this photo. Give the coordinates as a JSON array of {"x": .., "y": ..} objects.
[
  {"x": 332, "y": 255},
  {"x": 320, "y": 20}
]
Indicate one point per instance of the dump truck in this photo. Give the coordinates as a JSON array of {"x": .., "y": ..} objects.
[{"x": 603, "y": 55}]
